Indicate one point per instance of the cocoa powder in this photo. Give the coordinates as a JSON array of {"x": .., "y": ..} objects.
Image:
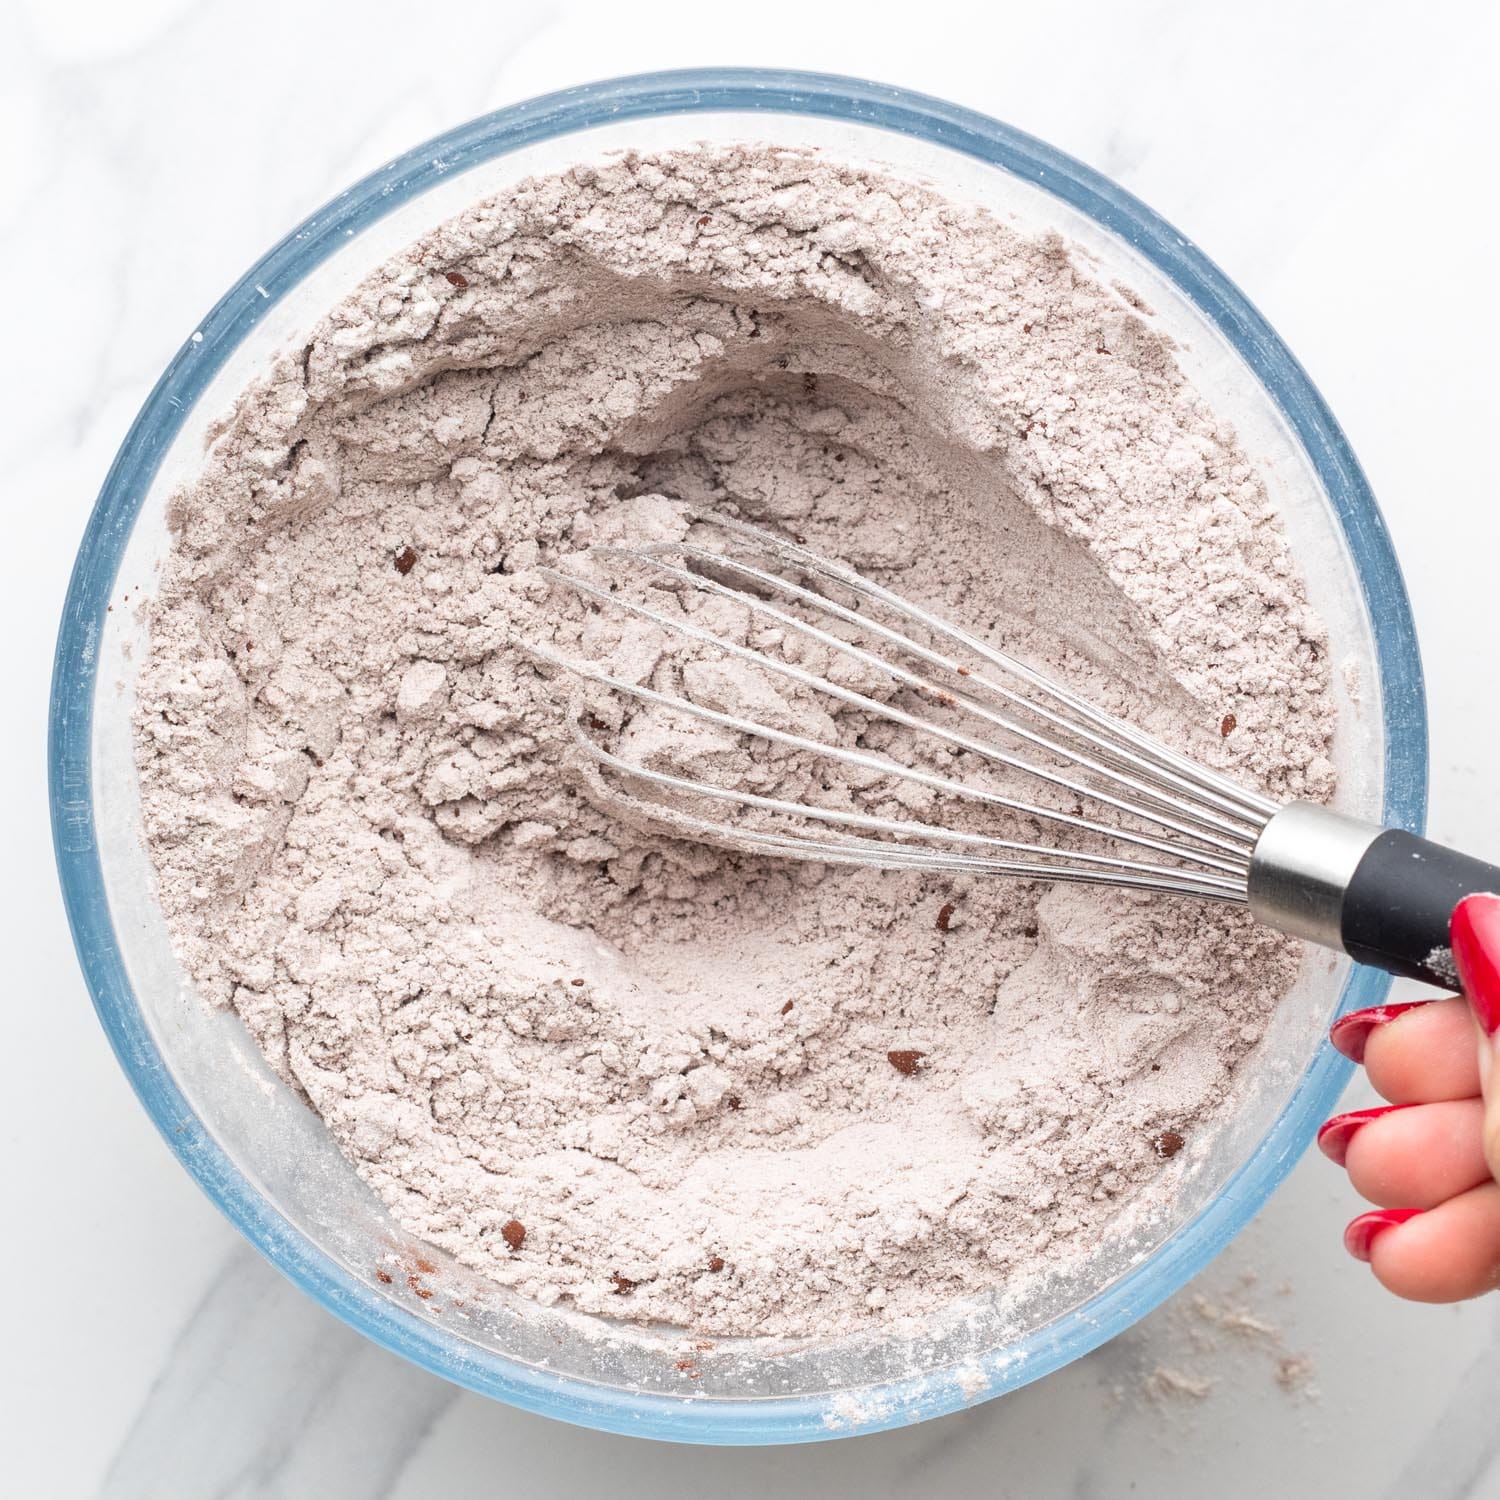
[{"x": 509, "y": 1007}]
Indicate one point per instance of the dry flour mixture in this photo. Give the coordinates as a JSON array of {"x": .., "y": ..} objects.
[{"x": 597, "y": 1064}]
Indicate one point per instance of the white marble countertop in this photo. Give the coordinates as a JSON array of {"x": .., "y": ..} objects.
[{"x": 1338, "y": 161}]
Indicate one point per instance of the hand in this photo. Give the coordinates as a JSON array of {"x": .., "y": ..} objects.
[{"x": 1431, "y": 1157}]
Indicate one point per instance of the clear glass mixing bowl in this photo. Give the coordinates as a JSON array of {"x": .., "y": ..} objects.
[{"x": 268, "y": 1162}]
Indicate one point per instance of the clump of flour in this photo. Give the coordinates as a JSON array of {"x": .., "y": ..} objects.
[{"x": 669, "y": 1066}]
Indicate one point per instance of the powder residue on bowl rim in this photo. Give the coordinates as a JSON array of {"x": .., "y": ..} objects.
[{"x": 674, "y": 1066}]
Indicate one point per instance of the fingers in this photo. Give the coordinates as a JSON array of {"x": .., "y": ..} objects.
[
  {"x": 1415, "y": 1156},
  {"x": 1423, "y": 1053},
  {"x": 1444, "y": 1255},
  {"x": 1476, "y": 953},
  {"x": 1430, "y": 1158}
]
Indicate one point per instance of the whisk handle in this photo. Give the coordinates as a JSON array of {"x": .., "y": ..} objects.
[
  {"x": 1399, "y": 905},
  {"x": 1383, "y": 896}
]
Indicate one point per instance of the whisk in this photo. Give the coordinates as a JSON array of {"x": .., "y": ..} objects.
[{"x": 1051, "y": 787}]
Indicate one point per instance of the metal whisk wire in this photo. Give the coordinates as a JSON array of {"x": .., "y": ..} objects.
[{"x": 1163, "y": 802}]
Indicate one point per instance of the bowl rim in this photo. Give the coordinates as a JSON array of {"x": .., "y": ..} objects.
[{"x": 690, "y": 91}]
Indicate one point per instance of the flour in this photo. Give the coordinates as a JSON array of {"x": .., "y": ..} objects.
[
  {"x": 645, "y": 1075},
  {"x": 1212, "y": 1347}
]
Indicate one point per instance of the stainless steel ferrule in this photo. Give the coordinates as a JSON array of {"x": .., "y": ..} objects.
[{"x": 1301, "y": 868}]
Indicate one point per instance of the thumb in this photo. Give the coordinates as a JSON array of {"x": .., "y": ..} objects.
[{"x": 1475, "y": 934}]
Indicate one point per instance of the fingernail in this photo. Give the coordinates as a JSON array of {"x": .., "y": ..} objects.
[
  {"x": 1474, "y": 931},
  {"x": 1351, "y": 1034},
  {"x": 1334, "y": 1135},
  {"x": 1362, "y": 1232}
]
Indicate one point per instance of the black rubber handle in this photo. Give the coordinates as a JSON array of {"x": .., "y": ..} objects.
[{"x": 1398, "y": 905}]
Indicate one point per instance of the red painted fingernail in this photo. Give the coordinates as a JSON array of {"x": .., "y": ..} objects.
[
  {"x": 1362, "y": 1232},
  {"x": 1334, "y": 1135},
  {"x": 1474, "y": 931},
  {"x": 1351, "y": 1034}
]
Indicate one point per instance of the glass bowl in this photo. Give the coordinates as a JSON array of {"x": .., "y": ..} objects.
[{"x": 268, "y": 1162}]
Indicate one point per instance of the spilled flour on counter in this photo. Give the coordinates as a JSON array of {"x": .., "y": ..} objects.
[
  {"x": 1203, "y": 1355},
  {"x": 650, "y": 1077}
]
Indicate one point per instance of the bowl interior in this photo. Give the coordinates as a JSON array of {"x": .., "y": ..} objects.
[{"x": 269, "y": 1160}]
